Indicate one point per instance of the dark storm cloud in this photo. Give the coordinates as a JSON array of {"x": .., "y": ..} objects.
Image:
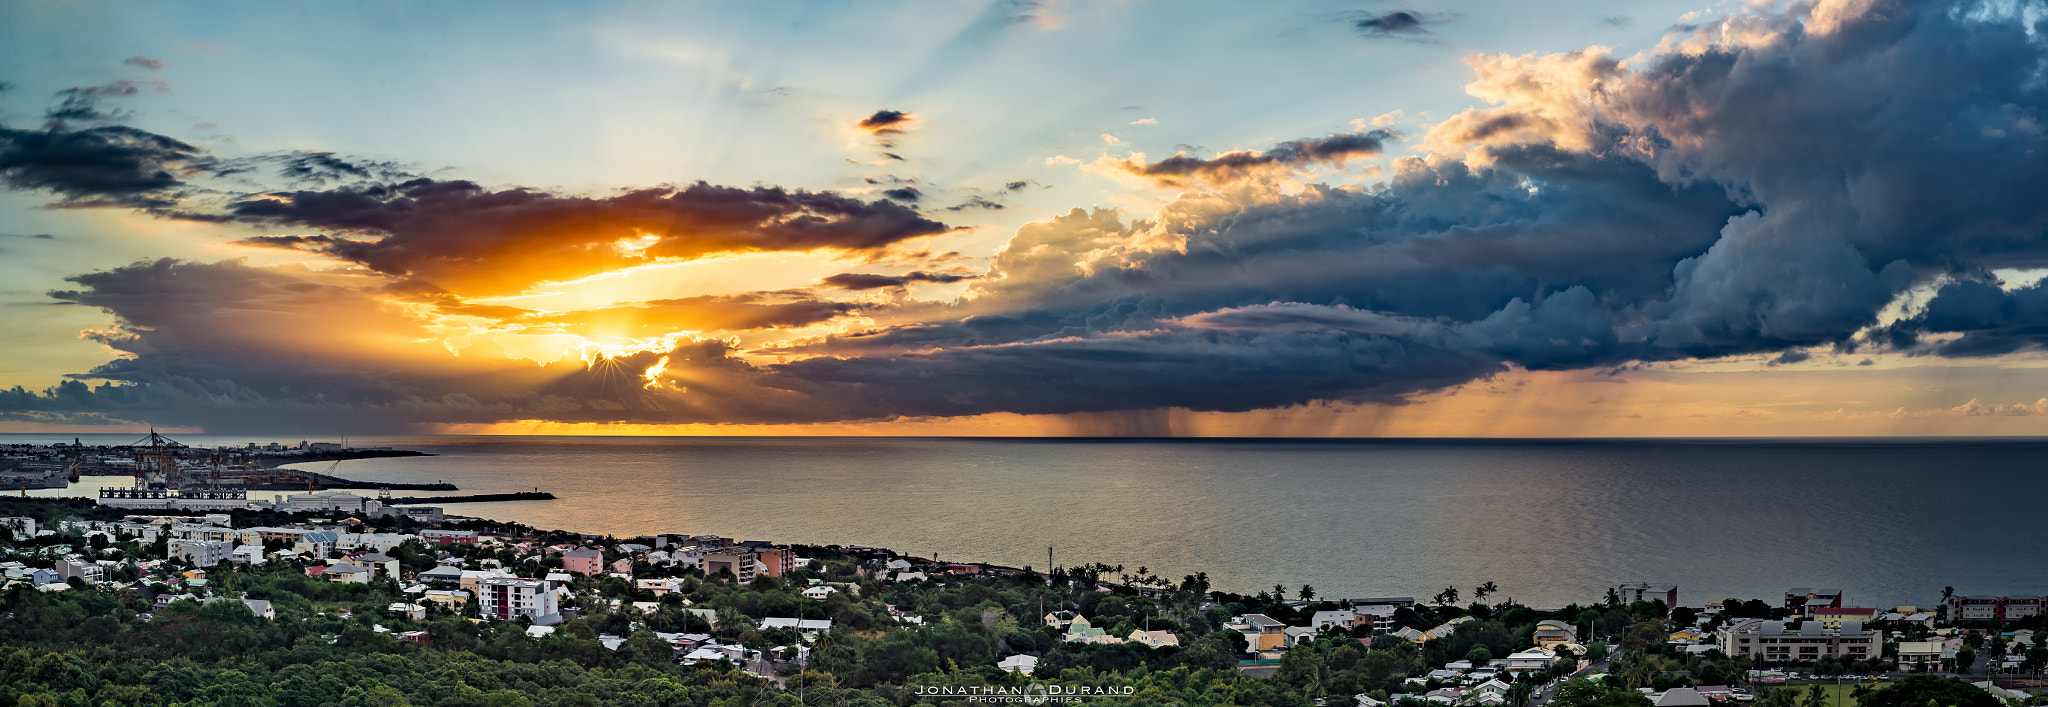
[
  {"x": 885, "y": 121},
  {"x": 475, "y": 240},
  {"x": 865, "y": 281},
  {"x": 910, "y": 194},
  {"x": 1990, "y": 320},
  {"x": 101, "y": 166},
  {"x": 1182, "y": 170},
  {"x": 1616, "y": 20},
  {"x": 144, "y": 62},
  {"x": 1399, "y": 23}
]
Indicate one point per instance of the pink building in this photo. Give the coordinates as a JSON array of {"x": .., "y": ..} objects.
[{"x": 583, "y": 561}]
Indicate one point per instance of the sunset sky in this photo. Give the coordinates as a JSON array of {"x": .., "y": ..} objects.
[{"x": 1036, "y": 218}]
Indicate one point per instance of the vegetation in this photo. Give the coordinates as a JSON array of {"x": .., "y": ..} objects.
[{"x": 335, "y": 644}]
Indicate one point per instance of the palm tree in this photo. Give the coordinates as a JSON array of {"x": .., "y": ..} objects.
[
  {"x": 1480, "y": 592},
  {"x": 1307, "y": 592},
  {"x": 1816, "y": 696}
]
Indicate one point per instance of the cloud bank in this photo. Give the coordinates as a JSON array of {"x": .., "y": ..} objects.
[{"x": 1764, "y": 183}]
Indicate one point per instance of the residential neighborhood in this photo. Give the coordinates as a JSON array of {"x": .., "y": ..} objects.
[{"x": 786, "y": 615}]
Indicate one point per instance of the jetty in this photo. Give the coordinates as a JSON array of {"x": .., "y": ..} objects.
[{"x": 470, "y": 498}]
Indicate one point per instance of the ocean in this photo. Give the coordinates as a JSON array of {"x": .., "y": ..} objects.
[{"x": 1549, "y": 522}]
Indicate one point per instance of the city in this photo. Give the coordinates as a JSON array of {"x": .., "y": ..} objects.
[{"x": 774, "y": 620}]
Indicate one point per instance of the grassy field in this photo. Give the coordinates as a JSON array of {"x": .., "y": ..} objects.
[{"x": 1838, "y": 695}]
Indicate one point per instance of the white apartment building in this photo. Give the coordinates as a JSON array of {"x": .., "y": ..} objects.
[
  {"x": 1778, "y": 643},
  {"x": 503, "y": 598}
]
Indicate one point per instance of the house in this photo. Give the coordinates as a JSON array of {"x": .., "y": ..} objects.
[
  {"x": 1686, "y": 636},
  {"x": 1633, "y": 592},
  {"x": 247, "y": 554},
  {"x": 1551, "y": 633},
  {"x": 820, "y": 592},
  {"x": 1490, "y": 692},
  {"x": 471, "y": 579},
  {"x": 622, "y": 566},
  {"x": 1832, "y": 617},
  {"x": 1344, "y": 618},
  {"x": 538, "y": 631},
  {"x": 347, "y": 573},
  {"x": 659, "y": 587},
  {"x": 1682, "y": 697},
  {"x": 379, "y": 564},
  {"x": 1532, "y": 660},
  {"x": 1802, "y": 602},
  {"x": 1297, "y": 635},
  {"x": 1445, "y": 696},
  {"x": 1154, "y": 639},
  {"x": 1409, "y": 634},
  {"x": 710, "y": 616},
  {"x": 1060, "y": 619},
  {"x": 1019, "y": 664},
  {"x": 1926, "y": 655},
  {"x": 1443, "y": 630},
  {"x": 443, "y": 576},
  {"x": 261, "y": 608},
  {"x": 409, "y": 612},
  {"x": 445, "y": 597},
  {"x": 1079, "y": 631},
  {"x": 1261, "y": 632},
  {"x": 910, "y": 577},
  {"x": 799, "y": 625},
  {"x": 66, "y": 569}
]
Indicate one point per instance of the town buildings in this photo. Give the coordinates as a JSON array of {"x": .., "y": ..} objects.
[
  {"x": 1984, "y": 607},
  {"x": 1633, "y": 592},
  {"x": 1801, "y": 601}
]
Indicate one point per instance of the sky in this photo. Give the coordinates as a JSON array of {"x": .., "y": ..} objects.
[{"x": 1026, "y": 218}]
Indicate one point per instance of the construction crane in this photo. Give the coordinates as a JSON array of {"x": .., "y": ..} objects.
[{"x": 312, "y": 479}]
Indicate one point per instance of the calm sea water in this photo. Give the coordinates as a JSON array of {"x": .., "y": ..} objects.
[{"x": 1550, "y": 522}]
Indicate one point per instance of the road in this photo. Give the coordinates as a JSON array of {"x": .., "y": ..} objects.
[{"x": 1544, "y": 692}]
